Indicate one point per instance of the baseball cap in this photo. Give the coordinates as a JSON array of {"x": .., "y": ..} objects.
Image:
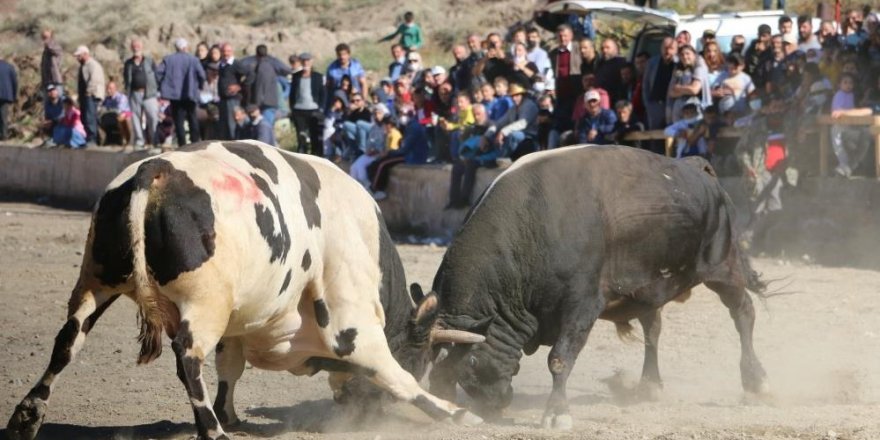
[
  {"x": 592, "y": 95},
  {"x": 414, "y": 56},
  {"x": 438, "y": 70},
  {"x": 305, "y": 56},
  {"x": 80, "y": 50},
  {"x": 789, "y": 38},
  {"x": 381, "y": 107},
  {"x": 709, "y": 33},
  {"x": 51, "y": 87},
  {"x": 386, "y": 80},
  {"x": 764, "y": 29}
]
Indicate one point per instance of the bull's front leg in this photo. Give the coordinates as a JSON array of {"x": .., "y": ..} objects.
[
  {"x": 366, "y": 348},
  {"x": 580, "y": 312},
  {"x": 85, "y": 308}
]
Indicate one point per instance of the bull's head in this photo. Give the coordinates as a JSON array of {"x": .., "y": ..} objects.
[{"x": 456, "y": 345}]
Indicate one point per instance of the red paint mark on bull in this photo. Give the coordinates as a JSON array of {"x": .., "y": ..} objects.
[{"x": 240, "y": 186}]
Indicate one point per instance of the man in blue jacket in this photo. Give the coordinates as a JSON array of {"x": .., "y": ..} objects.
[
  {"x": 8, "y": 95},
  {"x": 180, "y": 78}
]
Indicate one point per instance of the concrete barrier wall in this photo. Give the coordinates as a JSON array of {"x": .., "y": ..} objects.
[
  {"x": 74, "y": 178},
  {"x": 828, "y": 220}
]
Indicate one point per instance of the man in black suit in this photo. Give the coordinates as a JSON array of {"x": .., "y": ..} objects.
[
  {"x": 306, "y": 101},
  {"x": 230, "y": 85}
]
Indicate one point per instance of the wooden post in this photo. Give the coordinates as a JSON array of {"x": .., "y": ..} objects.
[{"x": 670, "y": 146}]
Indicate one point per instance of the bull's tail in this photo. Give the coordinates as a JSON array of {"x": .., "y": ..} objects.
[{"x": 147, "y": 297}]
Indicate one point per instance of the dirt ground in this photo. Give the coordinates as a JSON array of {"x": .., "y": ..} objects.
[{"x": 821, "y": 350}]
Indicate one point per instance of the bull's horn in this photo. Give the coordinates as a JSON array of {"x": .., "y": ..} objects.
[{"x": 456, "y": 336}]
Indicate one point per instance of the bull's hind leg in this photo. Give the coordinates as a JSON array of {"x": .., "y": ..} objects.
[
  {"x": 651, "y": 383},
  {"x": 84, "y": 309},
  {"x": 579, "y": 313},
  {"x": 201, "y": 326},
  {"x": 739, "y": 303},
  {"x": 230, "y": 365}
]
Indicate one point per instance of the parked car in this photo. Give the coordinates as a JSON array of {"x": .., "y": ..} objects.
[{"x": 658, "y": 23}]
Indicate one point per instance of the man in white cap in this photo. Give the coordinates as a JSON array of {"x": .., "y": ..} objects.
[
  {"x": 597, "y": 124},
  {"x": 90, "y": 90},
  {"x": 180, "y": 77},
  {"x": 439, "y": 74}
]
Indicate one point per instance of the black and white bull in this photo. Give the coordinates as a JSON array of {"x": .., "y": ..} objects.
[
  {"x": 563, "y": 238},
  {"x": 278, "y": 259}
]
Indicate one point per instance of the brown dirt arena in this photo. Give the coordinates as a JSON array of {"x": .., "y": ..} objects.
[{"x": 821, "y": 350}]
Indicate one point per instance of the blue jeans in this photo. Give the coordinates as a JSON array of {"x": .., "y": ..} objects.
[
  {"x": 268, "y": 114},
  {"x": 356, "y": 136},
  {"x": 511, "y": 141},
  {"x": 88, "y": 107},
  {"x": 67, "y": 136}
]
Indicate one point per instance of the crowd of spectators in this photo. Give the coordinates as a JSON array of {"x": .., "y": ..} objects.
[{"x": 502, "y": 95}]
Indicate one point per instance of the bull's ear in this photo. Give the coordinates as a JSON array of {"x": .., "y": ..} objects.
[
  {"x": 427, "y": 309},
  {"x": 416, "y": 292}
]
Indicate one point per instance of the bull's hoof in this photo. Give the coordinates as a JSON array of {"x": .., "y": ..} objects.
[
  {"x": 27, "y": 419},
  {"x": 559, "y": 422},
  {"x": 466, "y": 418},
  {"x": 220, "y": 436},
  {"x": 650, "y": 391}
]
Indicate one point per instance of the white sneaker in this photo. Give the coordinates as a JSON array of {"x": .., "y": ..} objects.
[{"x": 380, "y": 195}]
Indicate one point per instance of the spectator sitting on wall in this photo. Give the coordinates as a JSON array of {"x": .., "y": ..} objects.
[
  {"x": 53, "y": 114},
  {"x": 516, "y": 132},
  {"x": 625, "y": 124},
  {"x": 117, "y": 113},
  {"x": 409, "y": 31},
  {"x": 413, "y": 151},
  {"x": 597, "y": 124},
  {"x": 356, "y": 127},
  {"x": 464, "y": 117},
  {"x": 375, "y": 146},
  {"x": 687, "y": 140},
  {"x": 70, "y": 132},
  {"x": 476, "y": 151}
]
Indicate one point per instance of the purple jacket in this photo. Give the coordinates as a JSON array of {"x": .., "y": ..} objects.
[{"x": 180, "y": 77}]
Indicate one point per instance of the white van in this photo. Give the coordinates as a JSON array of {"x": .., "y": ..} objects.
[{"x": 658, "y": 23}]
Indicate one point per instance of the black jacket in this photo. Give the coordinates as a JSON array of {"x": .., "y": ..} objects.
[
  {"x": 318, "y": 90},
  {"x": 8, "y": 82},
  {"x": 236, "y": 73}
]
